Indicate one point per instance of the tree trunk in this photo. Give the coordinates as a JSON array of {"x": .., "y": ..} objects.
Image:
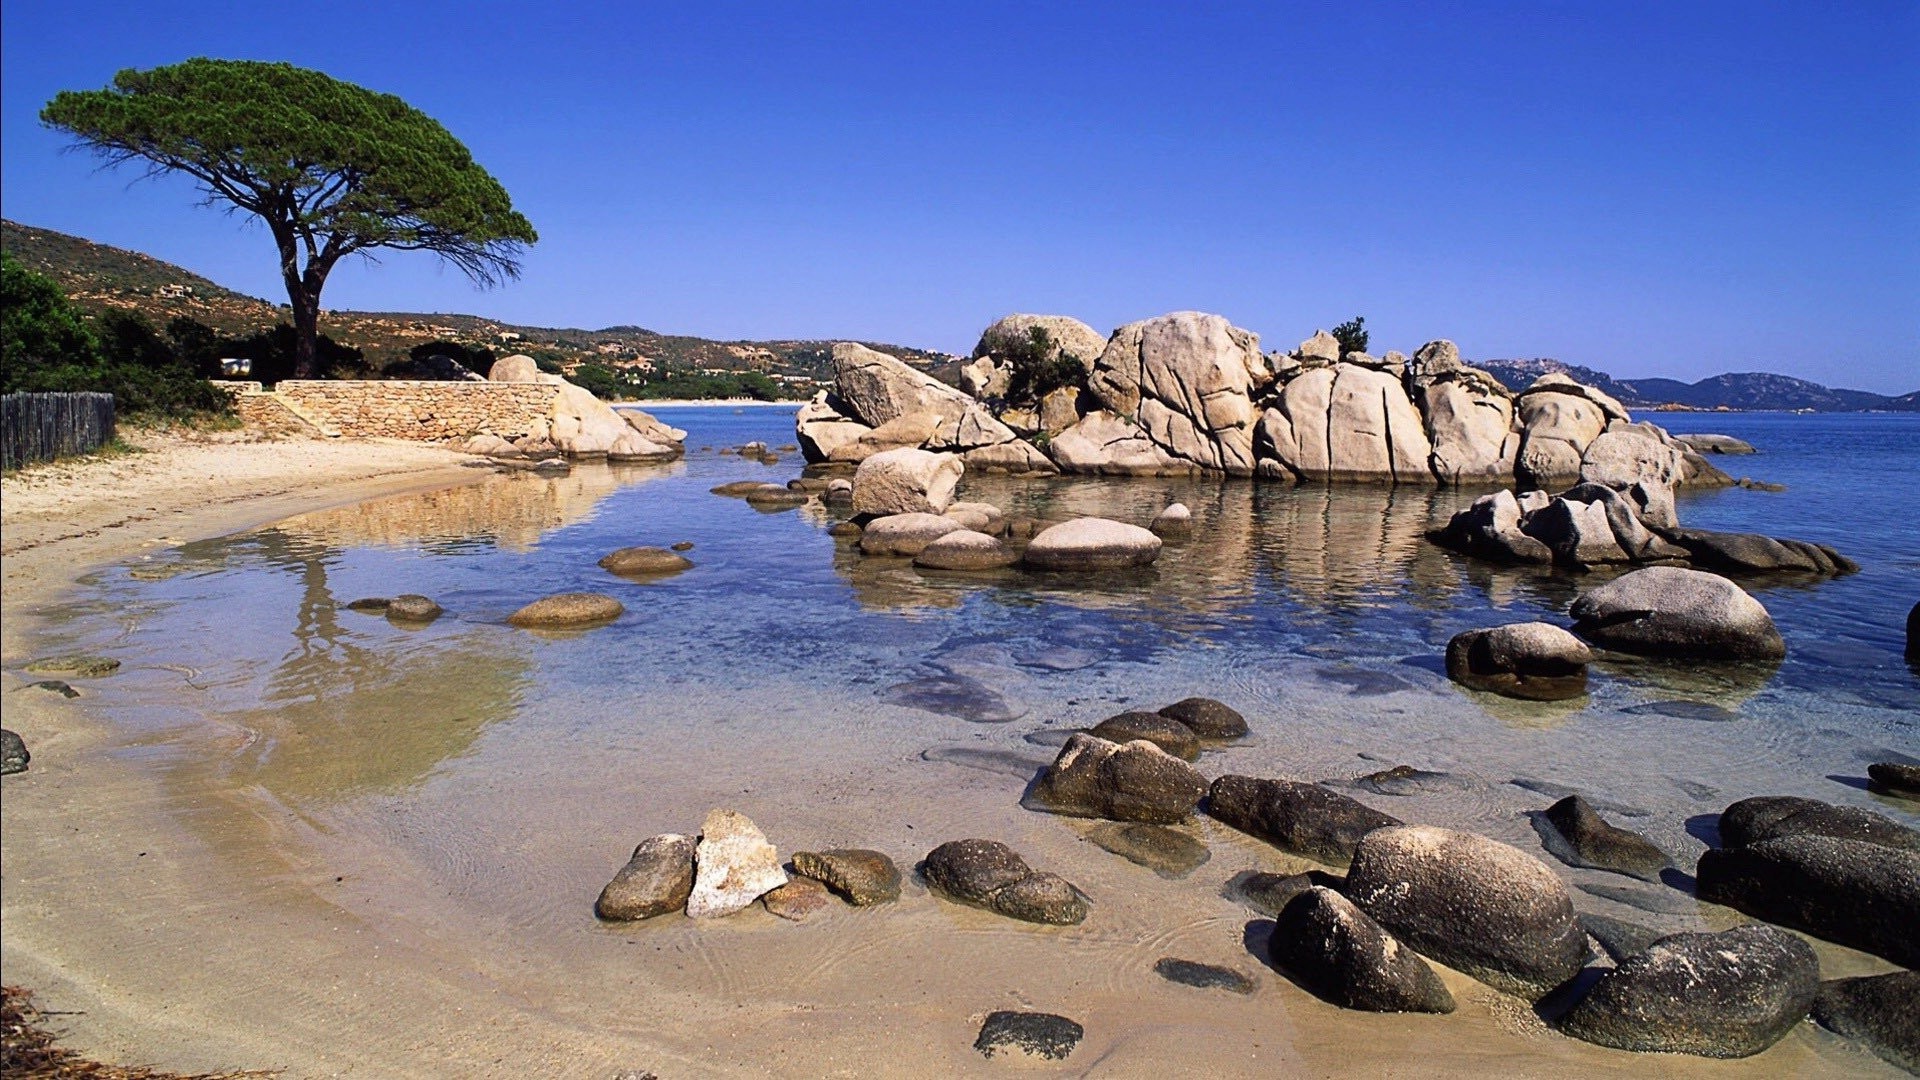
[{"x": 306, "y": 333}]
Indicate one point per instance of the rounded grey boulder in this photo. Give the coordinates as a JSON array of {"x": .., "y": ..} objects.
[
  {"x": 964, "y": 549},
  {"x": 1881, "y": 1011},
  {"x": 1577, "y": 835},
  {"x": 1479, "y": 906},
  {"x": 1306, "y": 819},
  {"x": 905, "y": 534},
  {"x": 644, "y": 562},
  {"x": 1852, "y": 892},
  {"x": 568, "y": 611},
  {"x": 1135, "y": 781},
  {"x": 1675, "y": 612},
  {"x": 1769, "y": 817},
  {"x": 412, "y": 608},
  {"x": 989, "y": 874},
  {"x": 1725, "y": 995},
  {"x": 1335, "y": 952},
  {"x": 1092, "y": 544},
  {"x": 1535, "y": 661}
]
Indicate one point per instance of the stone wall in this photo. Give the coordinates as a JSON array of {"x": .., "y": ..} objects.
[{"x": 424, "y": 411}]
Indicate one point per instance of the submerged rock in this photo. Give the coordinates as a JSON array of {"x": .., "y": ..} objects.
[
  {"x": 369, "y": 604},
  {"x": 862, "y": 876},
  {"x": 1269, "y": 894},
  {"x": 1675, "y": 612},
  {"x": 1881, "y": 1012},
  {"x": 1335, "y": 952},
  {"x": 80, "y": 666},
  {"x": 1173, "y": 523},
  {"x": 964, "y": 549},
  {"x": 1035, "y": 1035},
  {"x": 1303, "y": 818},
  {"x": 568, "y": 611},
  {"x": 55, "y": 686},
  {"x": 1479, "y": 906},
  {"x": 1207, "y": 718},
  {"x": 1135, "y": 781},
  {"x": 655, "y": 881},
  {"x": 733, "y": 866},
  {"x": 1203, "y": 976},
  {"x": 905, "y": 534},
  {"x": 644, "y": 562},
  {"x": 1725, "y": 995},
  {"x": 1166, "y": 852},
  {"x": 960, "y": 696},
  {"x": 1535, "y": 661},
  {"x": 1577, "y": 835}
]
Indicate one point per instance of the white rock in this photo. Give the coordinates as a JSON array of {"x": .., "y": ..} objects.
[
  {"x": 1092, "y": 544},
  {"x": 733, "y": 866},
  {"x": 906, "y": 481}
]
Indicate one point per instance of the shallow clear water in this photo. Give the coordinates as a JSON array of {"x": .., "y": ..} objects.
[{"x": 504, "y": 774}]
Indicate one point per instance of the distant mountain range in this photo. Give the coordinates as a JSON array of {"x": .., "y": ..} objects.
[{"x": 1745, "y": 391}]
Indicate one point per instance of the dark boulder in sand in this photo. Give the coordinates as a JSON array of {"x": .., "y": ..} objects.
[
  {"x": 1534, "y": 661},
  {"x": 1203, "y": 976},
  {"x": 1769, "y": 817},
  {"x": 1306, "y": 819},
  {"x": 1725, "y": 995},
  {"x": 1135, "y": 781},
  {"x": 412, "y": 608},
  {"x": 1900, "y": 780},
  {"x": 13, "y": 753},
  {"x": 989, "y": 874},
  {"x": 1335, "y": 952},
  {"x": 1880, "y": 1012},
  {"x": 1852, "y": 892},
  {"x": 1170, "y": 735},
  {"x": 567, "y": 611},
  {"x": 1479, "y": 906},
  {"x": 1669, "y": 611},
  {"x": 862, "y": 876},
  {"x": 1207, "y": 718},
  {"x": 1577, "y": 835},
  {"x": 634, "y": 562},
  {"x": 655, "y": 881},
  {"x": 1037, "y": 1036}
]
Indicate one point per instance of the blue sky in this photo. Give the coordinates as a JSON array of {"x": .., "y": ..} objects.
[{"x": 1674, "y": 189}]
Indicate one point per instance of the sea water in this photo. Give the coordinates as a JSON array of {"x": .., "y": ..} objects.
[{"x": 479, "y": 783}]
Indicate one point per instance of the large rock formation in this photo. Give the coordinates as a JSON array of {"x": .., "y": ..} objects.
[
  {"x": 582, "y": 425},
  {"x": 1190, "y": 392},
  {"x": 879, "y": 403}
]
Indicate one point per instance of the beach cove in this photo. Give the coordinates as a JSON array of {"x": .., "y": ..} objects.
[{"x": 286, "y": 834}]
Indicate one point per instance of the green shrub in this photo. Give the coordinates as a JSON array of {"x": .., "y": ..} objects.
[
  {"x": 46, "y": 346},
  {"x": 1352, "y": 335},
  {"x": 1037, "y": 367}
]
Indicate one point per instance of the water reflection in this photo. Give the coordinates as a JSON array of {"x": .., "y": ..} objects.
[{"x": 512, "y": 511}]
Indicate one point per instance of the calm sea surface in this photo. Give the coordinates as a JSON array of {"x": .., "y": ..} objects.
[{"x": 838, "y": 699}]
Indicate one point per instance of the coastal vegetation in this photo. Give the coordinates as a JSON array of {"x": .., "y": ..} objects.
[{"x": 333, "y": 169}]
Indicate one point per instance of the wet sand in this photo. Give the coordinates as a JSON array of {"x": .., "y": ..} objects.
[{"x": 305, "y": 887}]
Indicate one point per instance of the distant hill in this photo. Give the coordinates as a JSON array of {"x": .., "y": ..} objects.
[
  {"x": 1747, "y": 391},
  {"x": 99, "y": 278}
]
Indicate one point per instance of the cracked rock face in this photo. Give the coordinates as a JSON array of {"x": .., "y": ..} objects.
[
  {"x": 733, "y": 866},
  {"x": 1188, "y": 379}
]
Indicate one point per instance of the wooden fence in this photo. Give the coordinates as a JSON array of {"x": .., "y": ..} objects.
[{"x": 41, "y": 427}]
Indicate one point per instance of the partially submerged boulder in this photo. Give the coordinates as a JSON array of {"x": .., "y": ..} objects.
[
  {"x": 905, "y": 534},
  {"x": 644, "y": 562},
  {"x": 906, "y": 481},
  {"x": 1856, "y": 893},
  {"x": 1479, "y": 906},
  {"x": 1881, "y": 1012},
  {"x": 1211, "y": 720},
  {"x": 989, "y": 874},
  {"x": 1092, "y": 544},
  {"x": 863, "y": 876},
  {"x": 1577, "y": 835},
  {"x": 1769, "y": 817},
  {"x": 1305, "y": 819},
  {"x": 655, "y": 881},
  {"x": 1725, "y": 995},
  {"x": 1535, "y": 661},
  {"x": 964, "y": 549},
  {"x": 566, "y": 611},
  {"x": 1670, "y": 611},
  {"x": 1135, "y": 781},
  {"x": 1168, "y": 734},
  {"x": 734, "y": 865}
]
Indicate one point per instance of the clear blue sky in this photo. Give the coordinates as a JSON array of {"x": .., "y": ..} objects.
[{"x": 1673, "y": 188}]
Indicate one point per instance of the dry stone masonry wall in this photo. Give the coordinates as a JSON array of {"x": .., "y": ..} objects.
[{"x": 427, "y": 411}]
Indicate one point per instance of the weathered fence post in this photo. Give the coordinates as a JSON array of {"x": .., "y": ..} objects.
[{"x": 41, "y": 427}]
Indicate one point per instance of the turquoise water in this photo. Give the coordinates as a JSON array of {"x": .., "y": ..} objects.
[{"x": 482, "y": 782}]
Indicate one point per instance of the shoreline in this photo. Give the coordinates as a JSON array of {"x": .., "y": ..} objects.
[{"x": 701, "y": 403}]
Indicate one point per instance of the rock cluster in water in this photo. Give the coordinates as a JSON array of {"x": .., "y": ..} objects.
[
  {"x": 1189, "y": 392},
  {"x": 580, "y": 425}
]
